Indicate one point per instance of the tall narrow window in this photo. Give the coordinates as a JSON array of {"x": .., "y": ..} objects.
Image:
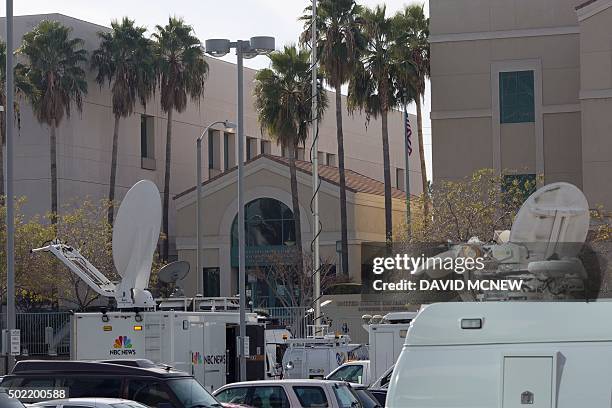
[
  {"x": 400, "y": 179},
  {"x": 265, "y": 147},
  {"x": 225, "y": 151},
  {"x": 147, "y": 142},
  {"x": 212, "y": 283},
  {"x": 516, "y": 97}
]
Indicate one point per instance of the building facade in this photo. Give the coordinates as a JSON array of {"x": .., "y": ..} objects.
[
  {"x": 523, "y": 87},
  {"x": 85, "y": 139}
]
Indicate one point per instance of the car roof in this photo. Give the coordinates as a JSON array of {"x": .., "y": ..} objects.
[
  {"x": 119, "y": 367},
  {"x": 281, "y": 382},
  {"x": 85, "y": 399}
]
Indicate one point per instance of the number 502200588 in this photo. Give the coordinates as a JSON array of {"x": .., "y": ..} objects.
[{"x": 37, "y": 394}]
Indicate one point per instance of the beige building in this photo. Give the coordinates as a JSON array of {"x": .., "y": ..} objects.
[
  {"x": 523, "y": 87},
  {"x": 85, "y": 141}
]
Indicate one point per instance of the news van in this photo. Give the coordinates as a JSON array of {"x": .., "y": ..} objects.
[{"x": 507, "y": 355}]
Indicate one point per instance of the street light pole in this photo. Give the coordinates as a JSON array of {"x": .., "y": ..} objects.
[
  {"x": 199, "y": 228},
  {"x": 10, "y": 226},
  {"x": 241, "y": 231}
]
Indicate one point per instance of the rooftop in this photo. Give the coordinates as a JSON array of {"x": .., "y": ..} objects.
[{"x": 355, "y": 182}]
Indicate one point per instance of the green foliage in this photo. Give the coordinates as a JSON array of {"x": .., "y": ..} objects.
[
  {"x": 475, "y": 206},
  {"x": 125, "y": 60},
  {"x": 54, "y": 67},
  {"x": 283, "y": 97},
  {"x": 180, "y": 64}
]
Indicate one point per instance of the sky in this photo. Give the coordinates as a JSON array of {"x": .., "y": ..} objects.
[{"x": 233, "y": 19}]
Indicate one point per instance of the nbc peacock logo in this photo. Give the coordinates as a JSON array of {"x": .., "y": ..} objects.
[
  {"x": 122, "y": 346},
  {"x": 196, "y": 357}
]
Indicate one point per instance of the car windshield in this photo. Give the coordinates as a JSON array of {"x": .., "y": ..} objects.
[
  {"x": 191, "y": 394},
  {"x": 350, "y": 373}
]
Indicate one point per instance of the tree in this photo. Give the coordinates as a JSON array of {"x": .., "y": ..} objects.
[
  {"x": 371, "y": 88},
  {"x": 125, "y": 60},
  {"x": 181, "y": 73},
  {"x": 411, "y": 43},
  {"x": 339, "y": 39},
  {"x": 53, "y": 67},
  {"x": 22, "y": 87},
  {"x": 283, "y": 101}
]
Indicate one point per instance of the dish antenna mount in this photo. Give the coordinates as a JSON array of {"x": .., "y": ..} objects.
[{"x": 135, "y": 236}]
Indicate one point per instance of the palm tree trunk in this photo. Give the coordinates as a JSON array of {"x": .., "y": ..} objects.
[
  {"x": 53, "y": 161},
  {"x": 387, "y": 180},
  {"x": 2, "y": 132},
  {"x": 343, "y": 215},
  {"x": 422, "y": 159},
  {"x": 113, "y": 173},
  {"x": 166, "y": 241},
  {"x": 295, "y": 203}
]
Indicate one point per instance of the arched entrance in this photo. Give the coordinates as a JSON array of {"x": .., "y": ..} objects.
[{"x": 270, "y": 243}]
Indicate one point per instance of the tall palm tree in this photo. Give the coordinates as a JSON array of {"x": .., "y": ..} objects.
[
  {"x": 53, "y": 64},
  {"x": 411, "y": 29},
  {"x": 339, "y": 39},
  {"x": 371, "y": 88},
  {"x": 22, "y": 87},
  {"x": 181, "y": 73},
  {"x": 284, "y": 108},
  {"x": 125, "y": 60}
]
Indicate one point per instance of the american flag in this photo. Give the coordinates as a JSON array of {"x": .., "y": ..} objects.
[{"x": 408, "y": 131}]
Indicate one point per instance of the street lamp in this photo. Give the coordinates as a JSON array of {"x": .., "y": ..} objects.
[
  {"x": 229, "y": 127},
  {"x": 244, "y": 49}
]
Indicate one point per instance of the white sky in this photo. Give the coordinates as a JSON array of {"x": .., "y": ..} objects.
[{"x": 212, "y": 19}]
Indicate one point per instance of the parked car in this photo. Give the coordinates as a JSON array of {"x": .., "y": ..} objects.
[
  {"x": 89, "y": 403},
  {"x": 366, "y": 398},
  {"x": 136, "y": 380},
  {"x": 289, "y": 394},
  {"x": 356, "y": 371},
  {"x": 7, "y": 402},
  {"x": 379, "y": 388}
]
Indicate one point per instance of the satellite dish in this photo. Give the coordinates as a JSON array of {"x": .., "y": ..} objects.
[
  {"x": 135, "y": 234},
  {"x": 553, "y": 221},
  {"x": 174, "y": 272}
]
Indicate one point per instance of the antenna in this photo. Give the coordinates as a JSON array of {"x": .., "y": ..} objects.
[
  {"x": 174, "y": 273},
  {"x": 135, "y": 236}
]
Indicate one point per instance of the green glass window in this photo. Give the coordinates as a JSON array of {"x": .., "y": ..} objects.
[{"x": 516, "y": 97}]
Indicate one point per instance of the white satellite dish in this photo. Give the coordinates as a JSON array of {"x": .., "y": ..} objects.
[
  {"x": 135, "y": 234},
  {"x": 553, "y": 220},
  {"x": 174, "y": 273}
]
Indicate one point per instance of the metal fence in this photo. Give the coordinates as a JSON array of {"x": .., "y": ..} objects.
[
  {"x": 297, "y": 319},
  {"x": 43, "y": 333}
]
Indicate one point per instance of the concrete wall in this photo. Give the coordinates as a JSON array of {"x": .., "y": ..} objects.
[
  {"x": 467, "y": 55},
  {"x": 85, "y": 140}
]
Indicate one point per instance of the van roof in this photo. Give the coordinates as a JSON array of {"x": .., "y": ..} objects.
[
  {"x": 120, "y": 367},
  {"x": 511, "y": 322}
]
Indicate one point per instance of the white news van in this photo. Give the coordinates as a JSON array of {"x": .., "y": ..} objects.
[
  {"x": 506, "y": 355},
  {"x": 386, "y": 340}
]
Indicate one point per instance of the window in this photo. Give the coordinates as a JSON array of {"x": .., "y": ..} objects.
[
  {"x": 212, "y": 163},
  {"x": 234, "y": 395},
  {"x": 300, "y": 153},
  {"x": 190, "y": 393},
  {"x": 350, "y": 373},
  {"x": 269, "y": 397},
  {"x": 311, "y": 397},
  {"x": 516, "y": 97},
  {"x": 147, "y": 392},
  {"x": 330, "y": 159},
  {"x": 322, "y": 158},
  {"x": 400, "y": 179},
  {"x": 345, "y": 397},
  {"x": 212, "y": 283},
  {"x": 225, "y": 151},
  {"x": 251, "y": 148},
  {"x": 147, "y": 142},
  {"x": 102, "y": 387},
  {"x": 265, "y": 147},
  {"x": 268, "y": 222}
]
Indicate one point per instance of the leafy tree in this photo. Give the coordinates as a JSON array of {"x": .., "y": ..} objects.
[
  {"x": 411, "y": 50},
  {"x": 283, "y": 101},
  {"x": 181, "y": 73},
  {"x": 338, "y": 41},
  {"x": 125, "y": 60},
  {"x": 371, "y": 87},
  {"x": 53, "y": 66}
]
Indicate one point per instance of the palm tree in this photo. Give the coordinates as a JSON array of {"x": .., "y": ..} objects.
[
  {"x": 284, "y": 108},
  {"x": 371, "y": 88},
  {"x": 22, "y": 87},
  {"x": 338, "y": 41},
  {"x": 181, "y": 72},
  {"x": 53, "y": 65},
  {"x": 411, "y": 29},
  {"x": 125, "y": 60}
]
